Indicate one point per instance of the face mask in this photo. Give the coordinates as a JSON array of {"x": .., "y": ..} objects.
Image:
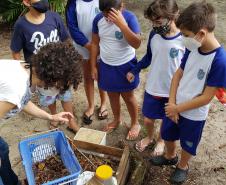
[
  {"x": 191, "y": 43},
  {"x": 162, "y": 30},
  {"x": 41, "y": 6}
]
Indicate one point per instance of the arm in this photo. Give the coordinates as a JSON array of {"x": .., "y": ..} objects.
[
  {"x": 203, "y": 99},
  {"x": 5, "y": 107},
  {"x": 117, "y": 18},
  {"x": 35, "y": 111},
  {"x": 72, "y": 24},
  {"x": 94, "y": 53}
]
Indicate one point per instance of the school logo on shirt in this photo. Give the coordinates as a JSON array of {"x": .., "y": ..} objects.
[
  {"x": 174, "y": 53},
  {"x": 97, "y": 10},
  {"x": 201, "y": 74},
  {"x": 118, "y": 35},
  {"x": 39, "y": 39}
]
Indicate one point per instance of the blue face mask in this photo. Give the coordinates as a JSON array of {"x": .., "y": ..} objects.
[{"x": 41, "y": 6}]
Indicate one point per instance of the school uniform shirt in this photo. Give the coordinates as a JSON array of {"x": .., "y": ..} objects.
[
  {"x": 31, "y": 37},
  {"x": 200, "y": 70},
  {"x": 14, "y": 84},
  {"x": 80, "y": 15},
  {"x": 164, "y": 56},
  {"x": 114, "y": 49}
]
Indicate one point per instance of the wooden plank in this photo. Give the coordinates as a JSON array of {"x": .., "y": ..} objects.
[
  {"x": 122, "y": 166},
  {"x": 99, "y": 148},
  {"x": 124, "y": 179}
]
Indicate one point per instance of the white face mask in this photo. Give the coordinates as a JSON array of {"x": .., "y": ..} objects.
[{"x": 191, "y": 43}]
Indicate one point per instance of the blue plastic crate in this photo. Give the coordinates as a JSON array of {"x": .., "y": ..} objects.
[{"x": 38, "y": 148}]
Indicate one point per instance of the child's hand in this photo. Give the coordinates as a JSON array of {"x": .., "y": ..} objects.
[
  {"x": 175, "y": 118},
  {"x": 171, "y": 110},
  {"x": 94, "y": 73},
  {"x": 116, "y": 17},
  {"x": 130, "y": 77}
]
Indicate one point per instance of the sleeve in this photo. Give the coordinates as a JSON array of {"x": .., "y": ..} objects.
[
  {"x": 17, "y": 38},
  {"x": 184, "y": 59},
  {"x": 95, "y": 23},
  {"x": 72, "y": 24},
  {"x": 217, "y": 73},
  {"x": 61, "y": 28},
  {"x": 146, "y": 60},
  {"x": 133, "y": 23}
]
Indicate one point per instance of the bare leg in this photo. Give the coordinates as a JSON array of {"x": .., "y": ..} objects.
[
  {"x": 170, "y": 149},
  {"x": 132, "y": 107},
  {"x": 89, "y": 87},
  {"x": 103, "y": 101},
  {"x": 159, "y": 148},
  {"x": 68, "y": 107},
  {"x": 52, "y": 109},
  {"x": 185, "y": 157},
  {"x": 114, "y": 98},
  {"x": 142, "y": 144}
]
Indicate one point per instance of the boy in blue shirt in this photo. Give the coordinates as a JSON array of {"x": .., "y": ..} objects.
[
  {"x": 32, "y": 31},
  {"x": 202, "y": 72}
]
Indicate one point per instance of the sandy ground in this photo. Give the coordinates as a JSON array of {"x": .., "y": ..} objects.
[{"x": 208, "y": 167}]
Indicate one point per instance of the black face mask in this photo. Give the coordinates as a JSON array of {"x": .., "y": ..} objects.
[
  {"x": 162, "y": 30},
  {"x": 41, "y": 6}
]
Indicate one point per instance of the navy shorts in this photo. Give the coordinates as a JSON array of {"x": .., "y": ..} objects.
[
  {"x": 113, "y": 78},
  {"x": 189, "y": 132},
  {"x": 153, "y": 107}
]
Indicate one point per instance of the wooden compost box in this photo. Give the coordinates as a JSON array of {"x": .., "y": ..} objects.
[{"x": 121, "y": 154}]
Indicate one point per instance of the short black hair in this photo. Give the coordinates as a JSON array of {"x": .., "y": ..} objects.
[
  {"x": 58, "y": 65},
  {"x": 196, "y": 16},
  {"x": 162, "y": 8},
  {"x": 106, "y": 5}
]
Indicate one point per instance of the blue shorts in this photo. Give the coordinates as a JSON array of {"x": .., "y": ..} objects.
[
  {"x": 113, "y": 78},
  {"x": 153, "y": 107},
  {"x": 49, "y": 100},
  {"x": 189, "y": 132}
]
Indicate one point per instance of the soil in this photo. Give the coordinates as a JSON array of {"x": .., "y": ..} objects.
[{"x": 208, "y": 167}]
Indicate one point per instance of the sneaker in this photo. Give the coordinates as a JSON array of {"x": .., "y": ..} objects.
[
  {"x": 179, "y": 176},
  {"x": 161, "y": 160}
]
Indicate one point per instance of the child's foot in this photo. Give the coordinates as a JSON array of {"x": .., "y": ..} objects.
[
  {"x": 144, "y": 143},
  {"x": 179, "y": 175},
  {"x": 87, "y": 116},
  {"x": 110, "y": 127},
  {"x": 133, "y": 132},
  {"x": 53, "y": 125},
  {"x": 162, "y": 160},
  {"x": 159, "y": 148},
  {"x": 73, "y": 126}
]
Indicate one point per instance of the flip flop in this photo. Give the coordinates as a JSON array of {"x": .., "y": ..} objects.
[
  {"x": 109, "y": 129},
  {"x": 100, "y": 114},
  {"x": 87, "y": 119},
  {"x": 131, "y": 136},
  {"x": 71, "y": 130},
  {"x": 138, "y": 145}
]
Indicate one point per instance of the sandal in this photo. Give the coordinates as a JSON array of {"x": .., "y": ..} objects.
[
  {"x": 71, "y": 130},
  {"x": 140, "y": 147},
  {"x": 133, "y": 133},
  {"x": 162, "y": 160},
  {"x": 87, "y": 119},
  {"x": 101, "y": 115},
  {"x": 179, "y": 176}
]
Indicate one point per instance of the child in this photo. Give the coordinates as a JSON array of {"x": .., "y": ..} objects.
[
  {"x": 164, "y": 52},
  {"x": 79, "y": 16},
  {"x": 116, "y": 33},
  {"x": 202, "y": 71},
  {"x": 61, "y": 70},
  {"x": 32, "y": 31}
]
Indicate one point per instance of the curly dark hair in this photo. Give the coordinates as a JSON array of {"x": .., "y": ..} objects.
[{"x": 58, "y": 65}]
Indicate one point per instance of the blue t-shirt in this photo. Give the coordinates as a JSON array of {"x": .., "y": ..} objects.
[{"x": 31, "y": 37}]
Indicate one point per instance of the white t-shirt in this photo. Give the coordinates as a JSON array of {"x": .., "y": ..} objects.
[
  {"x": 114, "y": 48},
  {"x": 14, "y": 83},
  {"x": 200, "y": 70}
]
